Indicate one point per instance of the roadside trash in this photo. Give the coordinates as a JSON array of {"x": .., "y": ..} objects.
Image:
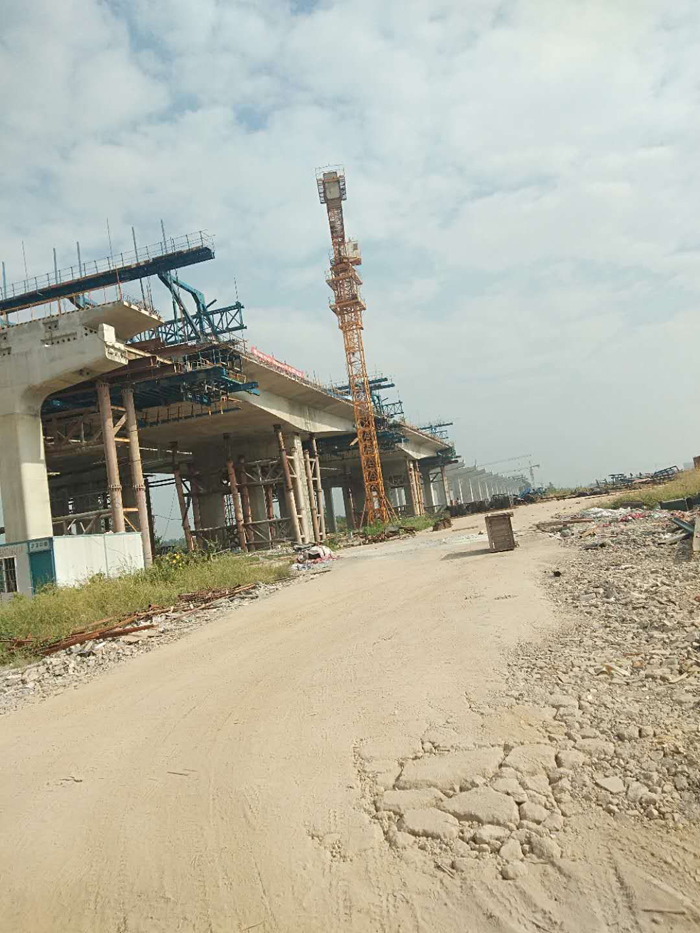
[
  {"x": 556, "y": 573},
  {"x": 674, "y": 505},
  {"x": 308, "y": 555}
]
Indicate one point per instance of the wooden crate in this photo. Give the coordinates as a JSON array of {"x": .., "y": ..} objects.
[{"x": 500, "y": 531}]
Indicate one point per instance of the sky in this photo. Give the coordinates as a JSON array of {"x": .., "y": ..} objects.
[{"x": 522, "y": 177}]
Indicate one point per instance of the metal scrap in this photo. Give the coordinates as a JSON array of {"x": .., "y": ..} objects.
[{"x": 126, "y": 626}]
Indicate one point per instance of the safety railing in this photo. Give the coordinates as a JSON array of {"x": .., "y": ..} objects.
[{"x": 115, "y": 261}]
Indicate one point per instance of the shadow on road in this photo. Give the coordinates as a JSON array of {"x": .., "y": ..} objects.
[{"x": 459, "y": 554}]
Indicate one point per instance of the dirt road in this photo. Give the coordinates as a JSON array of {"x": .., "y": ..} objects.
[{"x": 226, "y": 782}]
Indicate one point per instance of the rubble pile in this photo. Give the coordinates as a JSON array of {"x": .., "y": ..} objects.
[
  {"x": 625, "y": 678},
  {"x": 608, "y": 709},
  {"x": 455, "y": 802}
]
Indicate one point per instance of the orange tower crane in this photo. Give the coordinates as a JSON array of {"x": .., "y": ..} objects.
[{"x": 348, "y": 307}]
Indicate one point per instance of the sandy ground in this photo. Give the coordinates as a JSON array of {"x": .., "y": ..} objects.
[{"x": 220, "y": 783}]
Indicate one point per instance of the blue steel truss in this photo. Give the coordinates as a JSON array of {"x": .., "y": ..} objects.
[{"x": 204, "y": 323}]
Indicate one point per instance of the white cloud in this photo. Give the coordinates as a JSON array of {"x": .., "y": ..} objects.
[{"x": 522, "y": 178}]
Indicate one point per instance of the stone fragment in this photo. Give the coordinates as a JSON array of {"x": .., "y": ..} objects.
[
  {"x": 554, "y": 822},
  {"x": 596, "y": 748},
  {"x": 511, "y": 851},
  {"x": 560, "y": 700},
  {"x": 461, "y": 769},
  {"x": 511, "y": 787},
  {"x": 569, "y": 808},
  {"x": 570, "y": 759},
  {"x": 613, "y": 785},
  {"x": 399, "y": 840},
  {"x": 531, "y": 759},
  {"x": 544, "y": 847},
  {"x": 463, "y": 862},
  {"x": 386, "y": 777},
  {"x": 399, "y": 801},
  {"x": 431, "y": 823},
  {"x": 627, "y": 733},
  {"x": 462, "y": 848},
  {"x": 636, "y": 791},
  {"x": 483, "y": 805},
  {"x": 133, "y": 639},
  {"x": 538, "y": 783},
  {"x": 513, "y": 870},
  {"x": 533, "y": 812},
  {"x": 531, "y": 827},
  {"x": 490, "y": 835}
]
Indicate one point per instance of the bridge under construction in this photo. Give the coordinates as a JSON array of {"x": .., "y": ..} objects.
[{"x": 104, "y": 399}]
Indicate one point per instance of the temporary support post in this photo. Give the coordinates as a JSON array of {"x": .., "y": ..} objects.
[
  {"x": 319, "y": 488},
  {"x": 298, "y": 459},
  {"x": 110, "y": 446},
  {"x": 288, "y": 488},
  {"x": 263, "y": 492},
  {"x": 419, "y": 489},
  {"x": 245, "y": 499},
  {"x": 137, "y": 475},
  {"x": 413, "y": 492},
  {"x": 349, "y": 501},
  {"x": 189, "y": 539},
  {"x": 312, "y": 497},
  {"x": 233, "y": 484},
  {"x": 151, "y": 527},
  {"x": 270, "y": 512},
  {"x": 194, "y": 497}
]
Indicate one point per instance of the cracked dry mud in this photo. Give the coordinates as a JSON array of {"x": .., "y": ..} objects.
[{"x": 429, "y": 738}]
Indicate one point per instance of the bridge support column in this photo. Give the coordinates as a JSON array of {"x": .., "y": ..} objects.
[{"x": 331, "y": 520}]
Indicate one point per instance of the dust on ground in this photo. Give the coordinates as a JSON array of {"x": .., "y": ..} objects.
[{"x": 430, "y": 737}]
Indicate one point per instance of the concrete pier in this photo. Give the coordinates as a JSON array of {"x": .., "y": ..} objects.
[{"x": 36, "y": 359}]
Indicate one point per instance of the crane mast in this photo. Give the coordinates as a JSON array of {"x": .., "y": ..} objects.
[{"x": 348, "y": 306}]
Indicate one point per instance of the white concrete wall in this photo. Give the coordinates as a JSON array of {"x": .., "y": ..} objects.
[
  {"x": 78, "y": 557},
  {"x": 24, "y": 579}
]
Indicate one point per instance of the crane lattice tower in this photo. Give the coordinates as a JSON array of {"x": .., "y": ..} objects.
[{"x": 348, "y": 306}]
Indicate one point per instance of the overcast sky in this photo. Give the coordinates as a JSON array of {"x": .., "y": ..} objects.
[{"x": 522, "y": 177}]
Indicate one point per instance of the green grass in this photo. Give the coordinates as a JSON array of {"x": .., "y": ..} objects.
[
  {"x": 419, "y": 522},
  {"x": 686, "y": 484},
  {"x": 57, "y": 611}
]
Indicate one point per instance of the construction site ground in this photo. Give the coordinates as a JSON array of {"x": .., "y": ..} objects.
[{"x": 400, "y": 744}]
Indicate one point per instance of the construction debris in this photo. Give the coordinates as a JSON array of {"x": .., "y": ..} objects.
[
  {"x": 116, "y": 630},
  {"x": 625, "y": 680},
  {"x": 392, "y": 531},
  {"x": 442, "y": 523}
]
